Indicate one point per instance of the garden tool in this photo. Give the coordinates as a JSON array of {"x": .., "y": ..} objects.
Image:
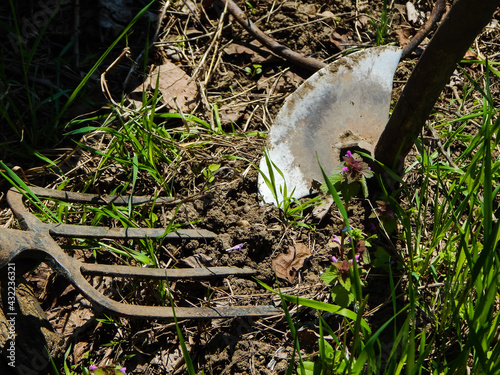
[
  {"x": 35, "y": 243},
  {"x": 342, "y": 107}
]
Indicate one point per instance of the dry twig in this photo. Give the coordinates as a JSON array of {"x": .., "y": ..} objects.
[
  {"x": 308, "y": 63},
  {"x": 436, "y": 15}
]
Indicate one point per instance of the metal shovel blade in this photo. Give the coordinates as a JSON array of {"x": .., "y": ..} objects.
[{"x": 342, "y": 106}]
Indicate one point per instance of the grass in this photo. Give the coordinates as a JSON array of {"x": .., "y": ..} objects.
[
  {"x": 443, "y": 300},
  {"x": 34, "y": 121},
  {"x": 449, "y": 231},
  {"x": 382, "y": 25}
]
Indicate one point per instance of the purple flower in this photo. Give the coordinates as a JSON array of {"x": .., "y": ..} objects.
[
  {"x": 336, "y": 239},
  {"x": 356, "y": 257},
  {"x": 334, "y": 259},
  {"x": 237, "y": 247},
  {"x": 384, "y": 211},
  {"x": 93, "y": 367},
  {"x": 355, "y": 168},
  {"x": 124, "y": 370}
]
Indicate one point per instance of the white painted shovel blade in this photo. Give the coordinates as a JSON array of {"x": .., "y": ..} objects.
[{"x": 346, "y": 102}]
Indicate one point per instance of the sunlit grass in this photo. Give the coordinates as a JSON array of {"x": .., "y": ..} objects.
[
  {"x": 450, "y": 230},
  {"x": 448, "y": 216}
]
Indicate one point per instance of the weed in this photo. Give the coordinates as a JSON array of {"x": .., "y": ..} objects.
[
  {"x": 459, "y": 256},
  {"x": 291, "y": 208},
  {"x": 254, "y": 70},
  {"x": 250, "y": 6},
  {"x": 381, "y": 26},
  {"x": 209, "y": 172}
]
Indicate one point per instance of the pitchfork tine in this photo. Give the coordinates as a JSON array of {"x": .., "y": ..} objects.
[{"x": 35, "y": 242}]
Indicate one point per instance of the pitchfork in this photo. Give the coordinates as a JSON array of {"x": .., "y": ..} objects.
[{"x": 35, "y": 243}]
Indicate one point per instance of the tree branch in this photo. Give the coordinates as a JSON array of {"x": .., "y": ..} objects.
[{"x": 305, "y": 62}]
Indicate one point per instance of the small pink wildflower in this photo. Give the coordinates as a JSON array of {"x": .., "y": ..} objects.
[
  {"x": 355, "y": 168},
  {"x": 93, "y": 367},
  {"x": 334, "y": 259},
  {"x": 356, "y": 257},
  {"x": 237, "y": 247},
  {"x": 124, "y": 370},
  {"x": 336, "y": 239}
]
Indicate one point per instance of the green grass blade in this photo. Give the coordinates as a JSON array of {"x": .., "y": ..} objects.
[
  {"x": 335, "y": 195},
  {"x": 85, "y": 79}
]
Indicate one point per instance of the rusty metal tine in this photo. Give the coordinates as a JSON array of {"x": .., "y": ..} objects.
[
  {"x": 29, "y": 221},
  {"x": 155, "y": 312},
  {"x": 162, "y": 273},
  {"x": 35, "y": 242},
  {"x": 117, "y": 200},
  {"x": 15, "y": 242},
  {"x": 26, "y": 220},
  {"x": 84, "y": 231}
]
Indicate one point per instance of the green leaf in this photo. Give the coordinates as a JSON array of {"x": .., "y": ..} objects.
[
  {"x": 213, "y": 167},
  {"x": 335, "y": 195},
  {"x": 323, "y": 306},
  {"x": 308, "y": 367},
  {"x": 330, "y": 276},
  {"x": 345, "y": 282},
  {"x": 366, "y": 257},
  {"x": 349, "y": 190},
  {"x": 382, "y": 258},
  {"x": 341, "y": 296}
]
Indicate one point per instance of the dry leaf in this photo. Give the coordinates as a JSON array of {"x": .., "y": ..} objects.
[
  {"x": 237, "y": 49},
  {"x": 231, "y": 114},
  {"x": 404, "y": 35},
  {"x": 320, "y": 211},
  {"x": 197, "y": 261},
  {"x": 364, "y": 20},
  {"x": 340, "y": 37},
  {"x": 470, "y": 55},
  {"x": 173, "y": 82},
  {"x": 287, "y": 265}
]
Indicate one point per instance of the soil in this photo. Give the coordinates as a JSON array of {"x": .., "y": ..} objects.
[{"x": 229, "y": 206}]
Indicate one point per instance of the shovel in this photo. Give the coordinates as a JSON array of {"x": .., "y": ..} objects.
[{"x": 344, "y": 106}]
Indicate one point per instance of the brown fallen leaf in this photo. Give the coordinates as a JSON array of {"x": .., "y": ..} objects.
[
  {"x": 238, "y": 49},
  {"x": 197, "y": 261},
  {"x": 173, "y": 82},
  {"x": 340, "y": 37},
  {"x": 287, "y": 265},
  {"x": 470, "y": 55},
  {"x": 404, "y": 35},
  {"x": 320, "y": 211}
]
